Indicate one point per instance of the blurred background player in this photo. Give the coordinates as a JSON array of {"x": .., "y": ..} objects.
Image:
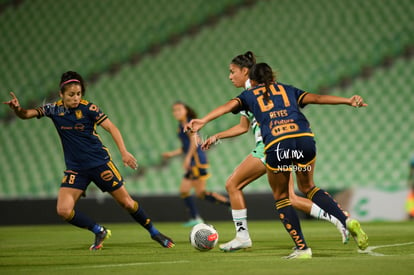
[
  {"x": 288, "y": 141},
  {"x": 86, "y": 158},
  {"x": 410, "y": 198},
  {"x": 254, "y": 166},
  {"x": 195, "y": 165}
]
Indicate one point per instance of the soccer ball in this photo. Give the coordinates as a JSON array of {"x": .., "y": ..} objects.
[{"x": 203, "y": 237}]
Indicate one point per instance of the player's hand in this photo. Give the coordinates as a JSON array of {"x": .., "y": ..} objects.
[
  {"x": 194, "y": 125},
  {"x": 129, "y": 160},
  {"x": 14, "y": 102},
  {"x": 187, "y": 164},
  {"x": 357, "y": 101},
  {"x": 166, "y": 155},
  {"x": 209, "y": 142}
]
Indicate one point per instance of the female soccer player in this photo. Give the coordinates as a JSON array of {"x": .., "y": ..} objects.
[
  {"x": 288, "y": 142},
  {"x": 253, "y": 166},
  {"x": 87, "y": 159},
  {"x": 195, "y": 165}
]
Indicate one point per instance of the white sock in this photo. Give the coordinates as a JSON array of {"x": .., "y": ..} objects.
[
  {"x": 320, "y": 214},
  {"x": 240, "y": 222}
]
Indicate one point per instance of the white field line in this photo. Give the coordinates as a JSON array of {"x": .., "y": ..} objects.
[
  {"x": 109, "y": 265},
  {"x": 370, "y": 249}
]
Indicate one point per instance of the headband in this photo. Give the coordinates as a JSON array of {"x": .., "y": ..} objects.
[{"x": 68, "y": 81}]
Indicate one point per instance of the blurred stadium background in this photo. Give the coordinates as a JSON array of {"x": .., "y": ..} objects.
[{"x": 138, "y": 57}]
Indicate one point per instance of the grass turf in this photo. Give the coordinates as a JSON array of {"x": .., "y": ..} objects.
[{"x": 63, "y": 249}]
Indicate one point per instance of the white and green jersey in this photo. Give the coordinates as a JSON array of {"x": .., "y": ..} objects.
[{"x": 255, "y": 127}]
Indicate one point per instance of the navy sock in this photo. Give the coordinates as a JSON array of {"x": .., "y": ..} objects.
[
  {"x": 141, "y": 217},
  {"x": 81, "y": 220},
  {"x": 327, "y": 203},
  {"x": 290, "y": 220},
  {"x": 190, "y": 204},
  {"x": 208, "y": 196}
]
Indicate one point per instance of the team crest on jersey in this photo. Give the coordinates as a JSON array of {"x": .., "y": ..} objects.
[
  {"x": 107, "y": 175},
  {"x": 78, "y": 114}
]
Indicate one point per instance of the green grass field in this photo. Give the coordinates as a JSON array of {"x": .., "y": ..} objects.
[{"x": 63, "y": 249}]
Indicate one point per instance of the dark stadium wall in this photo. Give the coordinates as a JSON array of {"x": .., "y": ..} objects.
[{"x": 159, "y": 208}]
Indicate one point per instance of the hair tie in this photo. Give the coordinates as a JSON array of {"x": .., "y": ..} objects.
[{"x": 69, "y": 81}]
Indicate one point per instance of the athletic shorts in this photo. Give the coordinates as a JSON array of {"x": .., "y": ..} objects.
[
  {"x": 106, "y": 177},
  {"x": 197, "y": 173},
  {"x": 259, "y": 153},
  {"x": 291, "y": 154}
]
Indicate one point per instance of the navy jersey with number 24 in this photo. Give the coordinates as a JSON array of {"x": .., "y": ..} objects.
[{"x": 279, "y": 117}]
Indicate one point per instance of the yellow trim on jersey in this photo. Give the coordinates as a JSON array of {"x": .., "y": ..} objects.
[
  {"x": 289, "y": 136},
  {"x": 115, "y": 170},
  {"x": 101, "y": 119},
  {"x": 84, "y": 102},
  {"x": 301, "y": 97}
]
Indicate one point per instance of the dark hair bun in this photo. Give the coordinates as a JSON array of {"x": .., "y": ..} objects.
[
  {"x": 71, "y": 75},
  {"x": 246, "y": 60}
]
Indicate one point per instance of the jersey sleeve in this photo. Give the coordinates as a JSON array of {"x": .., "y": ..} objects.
[
  {"x": 96, "y": 114},
  {"x": 46, "y": 110},
  {"x": 300, "y": 95},
  {"x": 242, "y": 100}
]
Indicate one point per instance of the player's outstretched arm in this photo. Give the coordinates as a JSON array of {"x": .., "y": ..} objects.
[
  {"x": 234, "y": 131},
  {"x": 127, "y": 157},
  {"x": 354, "y": 101},
  {"x": 172, "y": 154},
  {"x": 19, "y": 111},
  {"x": 196, "y": 124}
]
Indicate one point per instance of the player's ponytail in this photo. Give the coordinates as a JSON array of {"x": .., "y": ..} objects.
[
  {"x": 262, "y": 74},
  {"x": 246, "y": 60},
  {"x": 71, "y": 77}
]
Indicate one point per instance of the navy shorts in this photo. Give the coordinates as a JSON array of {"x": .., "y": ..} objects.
[
  {"x": 106, "y": 177},
  {"x": 197, "y": 173},
  {"x": 290, "y": 154}
]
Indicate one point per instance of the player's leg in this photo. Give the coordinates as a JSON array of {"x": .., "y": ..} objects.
[
  {"x": 308, "y": 207},
  {"x": 188, "y": 198},
  {"x": 122, "y": 196},
  {"x": 200, "y": 176},
  {"x": 279, "y": 182},
  {"x": 72, "y": 187},
  {"x": 108, "y": 178},
  {"x": 324, "y": 200},
  {"x": 249, "y": 170}
]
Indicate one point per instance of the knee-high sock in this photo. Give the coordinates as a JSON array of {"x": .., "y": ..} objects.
[
  {"x": 81, "y": 220},
  {"x": 327, "y": 203},
  {"x": 139, "y": 215},
  {"x": 190, "y": 204},
  {"x": 290, "y": 220}
]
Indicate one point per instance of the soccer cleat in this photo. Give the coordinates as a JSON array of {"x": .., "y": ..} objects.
[
  {"x": 193, "y": 222},
  {"x": 300, "y": 254},
  {"x": 360, "y": 237},
  {"x": 236, "y": 244},
  {"x": 100, "y": 238},
  {"x": 163, "y": 240}
]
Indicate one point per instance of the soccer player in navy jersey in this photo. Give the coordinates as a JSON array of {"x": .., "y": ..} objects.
[
  {"x": 289, "y": 145},
  {"x": 195, "y": 165},
  {"x": 254, "y": 166},
  {"x": 86, "y": 158}
]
